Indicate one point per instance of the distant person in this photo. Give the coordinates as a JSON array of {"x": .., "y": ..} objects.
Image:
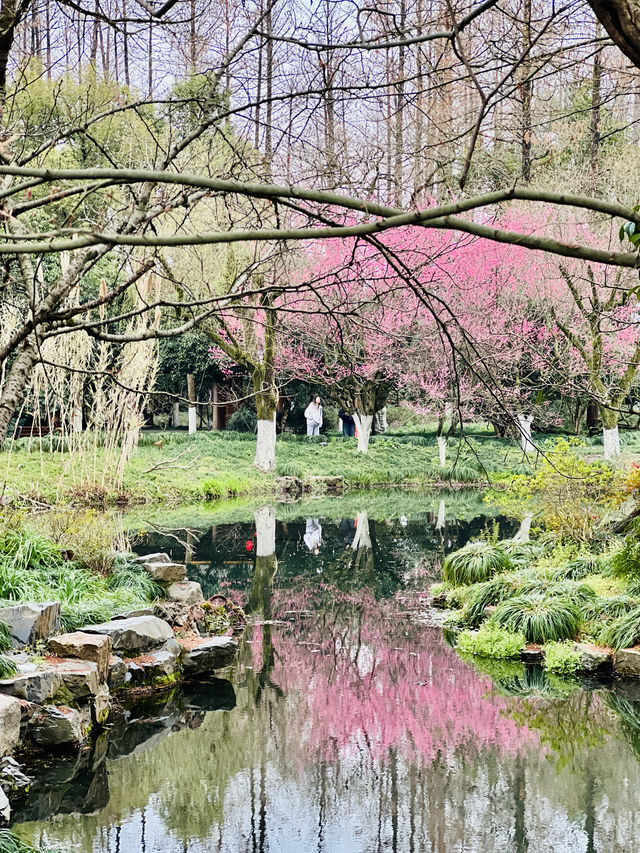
[
  {"x": 348, "y": 424},
  {"x": 313, "y": 535},
  {"x": 313, "y": 414},
  {"x": 380, "y": 421}
]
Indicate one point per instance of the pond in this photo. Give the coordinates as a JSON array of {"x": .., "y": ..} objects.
[{"x": 347, "y": 724}]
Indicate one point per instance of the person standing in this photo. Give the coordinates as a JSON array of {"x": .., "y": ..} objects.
[
  {"x": 313, "y": 414},
  {"x": 348, "y": 424}
]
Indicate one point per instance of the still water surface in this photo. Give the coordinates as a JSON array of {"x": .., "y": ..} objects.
[{"x": 347, "y": 724}]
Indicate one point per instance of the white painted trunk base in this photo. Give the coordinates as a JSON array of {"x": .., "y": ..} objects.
[
  {"x": 77, "y": 419},
  {"x": 442, "y": 450},
  {"x": 175, "y": 416},
  {"x": 611, "y": 442},
  {"x": 362, "y": 539},
  {"x": 524, "y": 533},
  {"x": 193, "y": 414},
  {"x": 363, "y": 426},
  {"x": 266, "y": 445},
  {"x": 265, "y": 519},
  {"x": 526, "y": 443}
]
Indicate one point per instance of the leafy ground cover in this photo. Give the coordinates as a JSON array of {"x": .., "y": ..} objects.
[{"x": 73, "y": 563}]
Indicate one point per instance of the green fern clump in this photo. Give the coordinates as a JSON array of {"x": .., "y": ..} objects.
[
  {"x": 623, "y": 632},
  {"x": 476, "y": 562},
  {"x": 492, "y": 642},
  {"x": 561, "y": 658},
  {"x": 625, "y": 563},
  {"x": 540, "y": 618},
  {"x": 5, "y": 637}
]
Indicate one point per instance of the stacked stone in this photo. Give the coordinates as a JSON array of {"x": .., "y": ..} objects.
[{"x": 53, "y": 702}]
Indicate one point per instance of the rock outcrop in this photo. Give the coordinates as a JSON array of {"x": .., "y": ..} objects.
[
  {"x": 203, "y": 655},
  {"x": 133, "y": 635},
  {"x": 30, "y": 623},
  {"x": 84, "y": 646},
  {"x": 10, "y": 715}
]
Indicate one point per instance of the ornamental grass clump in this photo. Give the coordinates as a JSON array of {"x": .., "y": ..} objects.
[
  {"x": 561, "y": 658},
  {"x": 578, "y": 568},
  {"x": 624, "y": 632},
  {"x": 476, "y": 562},
  {"x": 540, "y": 618},
  {"x": 492, "y": 642}
]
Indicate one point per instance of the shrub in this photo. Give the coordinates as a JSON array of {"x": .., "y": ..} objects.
[
  {"x": 244, "y": 420},
  {"x": 135, "y": 579},
  {"x": 521, "y": 553},
  {"x": 625, "y": 563},
  {"x": 539, "y": 618},
  {"x": 561, "y": 658},
  {"x": 492, "y": 642},
  {"x": 624, "y": 632},
  {"x": 476, "y": 562}
]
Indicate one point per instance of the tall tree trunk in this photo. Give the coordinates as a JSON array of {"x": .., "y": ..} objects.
[
  {"x": 526, "y": 86},
  {"x": 125, "y": 45},
  {"x": 610, "y": 434},
  {"x": 266, "y": 406},
  {"x": 16, "y": 384},
  {"x": 150, "y": 59},
  {"x": 193, "y": 409},
  {"x": 596, "y": 101},
  {"x": 268, "y": 147},
  {"x": 399, "y": 128}
]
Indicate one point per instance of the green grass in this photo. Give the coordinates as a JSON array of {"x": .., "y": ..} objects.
[{"x": 220, "y": 465}]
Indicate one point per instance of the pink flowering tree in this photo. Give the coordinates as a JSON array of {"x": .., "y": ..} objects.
[
  {"x": 446, "y": 321},
  {"x": 353, "y": 327}
]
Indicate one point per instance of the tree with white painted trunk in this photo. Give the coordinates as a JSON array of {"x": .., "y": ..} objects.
[
  {"x": 592, "y": 308},
  {"x": 246, "y": 336}
]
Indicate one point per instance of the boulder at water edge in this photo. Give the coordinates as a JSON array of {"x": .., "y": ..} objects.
[
  {"x": 166, "y": 572},
  {"x": 185, "y": 592},
  {"x": 136, "y": 634},
  {"x": 9, "y": 724},
  {"x": 84, "y": 646},
  {"x": 30, "y": 623},
  {"x": 206, "y": 654},
  {"x": 60, "y": 727},
  {"x": 627, "y": 662}
]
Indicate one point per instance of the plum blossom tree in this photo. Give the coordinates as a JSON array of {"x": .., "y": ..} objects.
[
  {"x": 449, "y": 322},
  {"x": 353, "y": 328}
]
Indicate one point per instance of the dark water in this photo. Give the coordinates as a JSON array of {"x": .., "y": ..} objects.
[{"x": 347, "y": 723}]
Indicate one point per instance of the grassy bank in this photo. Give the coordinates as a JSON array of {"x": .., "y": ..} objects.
[{"x": 173, "y": 466}]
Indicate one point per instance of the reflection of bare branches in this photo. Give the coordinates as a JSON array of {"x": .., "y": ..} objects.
[{"x": 164, "y": 532}]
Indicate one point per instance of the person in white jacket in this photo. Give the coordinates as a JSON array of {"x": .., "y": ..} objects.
[{"x": 313, "y": 414}]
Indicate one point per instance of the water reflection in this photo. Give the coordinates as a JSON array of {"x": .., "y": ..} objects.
[{"x": 346, "y": 725}]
